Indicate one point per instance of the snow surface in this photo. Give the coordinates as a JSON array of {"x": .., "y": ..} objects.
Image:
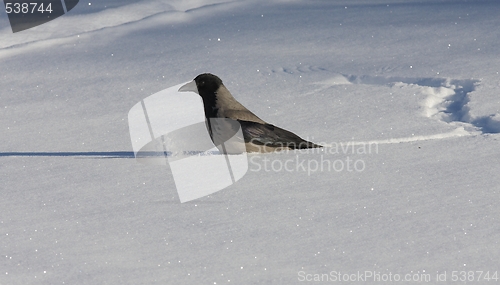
[{"x": 417, "y": 79}]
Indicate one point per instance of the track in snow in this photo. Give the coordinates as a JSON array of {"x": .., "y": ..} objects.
[{"x": 446, "y": 100}]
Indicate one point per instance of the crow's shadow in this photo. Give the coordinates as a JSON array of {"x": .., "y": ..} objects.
[
  {"x": 82, "y": 154},
  {"x": 104, "y": 154}
]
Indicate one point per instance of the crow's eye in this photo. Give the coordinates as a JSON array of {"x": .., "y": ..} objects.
[{"x": 202, "y": 83}]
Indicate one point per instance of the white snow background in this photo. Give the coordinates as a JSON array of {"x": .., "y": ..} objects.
[{"x": 420, "y": 78}]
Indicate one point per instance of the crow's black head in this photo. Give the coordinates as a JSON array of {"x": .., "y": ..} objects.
[
  {"x": 211, "y": 91},
  {"x": 207, "y": 84}
]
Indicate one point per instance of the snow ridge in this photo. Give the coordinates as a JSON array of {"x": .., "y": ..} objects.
[{"x": 73, "y": 26}]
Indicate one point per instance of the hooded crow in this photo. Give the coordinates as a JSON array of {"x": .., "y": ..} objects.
[{"x": 258, "y": 135}]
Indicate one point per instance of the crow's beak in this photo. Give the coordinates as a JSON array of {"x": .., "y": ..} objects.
[{"x": 189, "y": 87}]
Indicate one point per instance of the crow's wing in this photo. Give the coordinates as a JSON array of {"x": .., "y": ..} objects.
[{"x": 272, "y": 136}]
